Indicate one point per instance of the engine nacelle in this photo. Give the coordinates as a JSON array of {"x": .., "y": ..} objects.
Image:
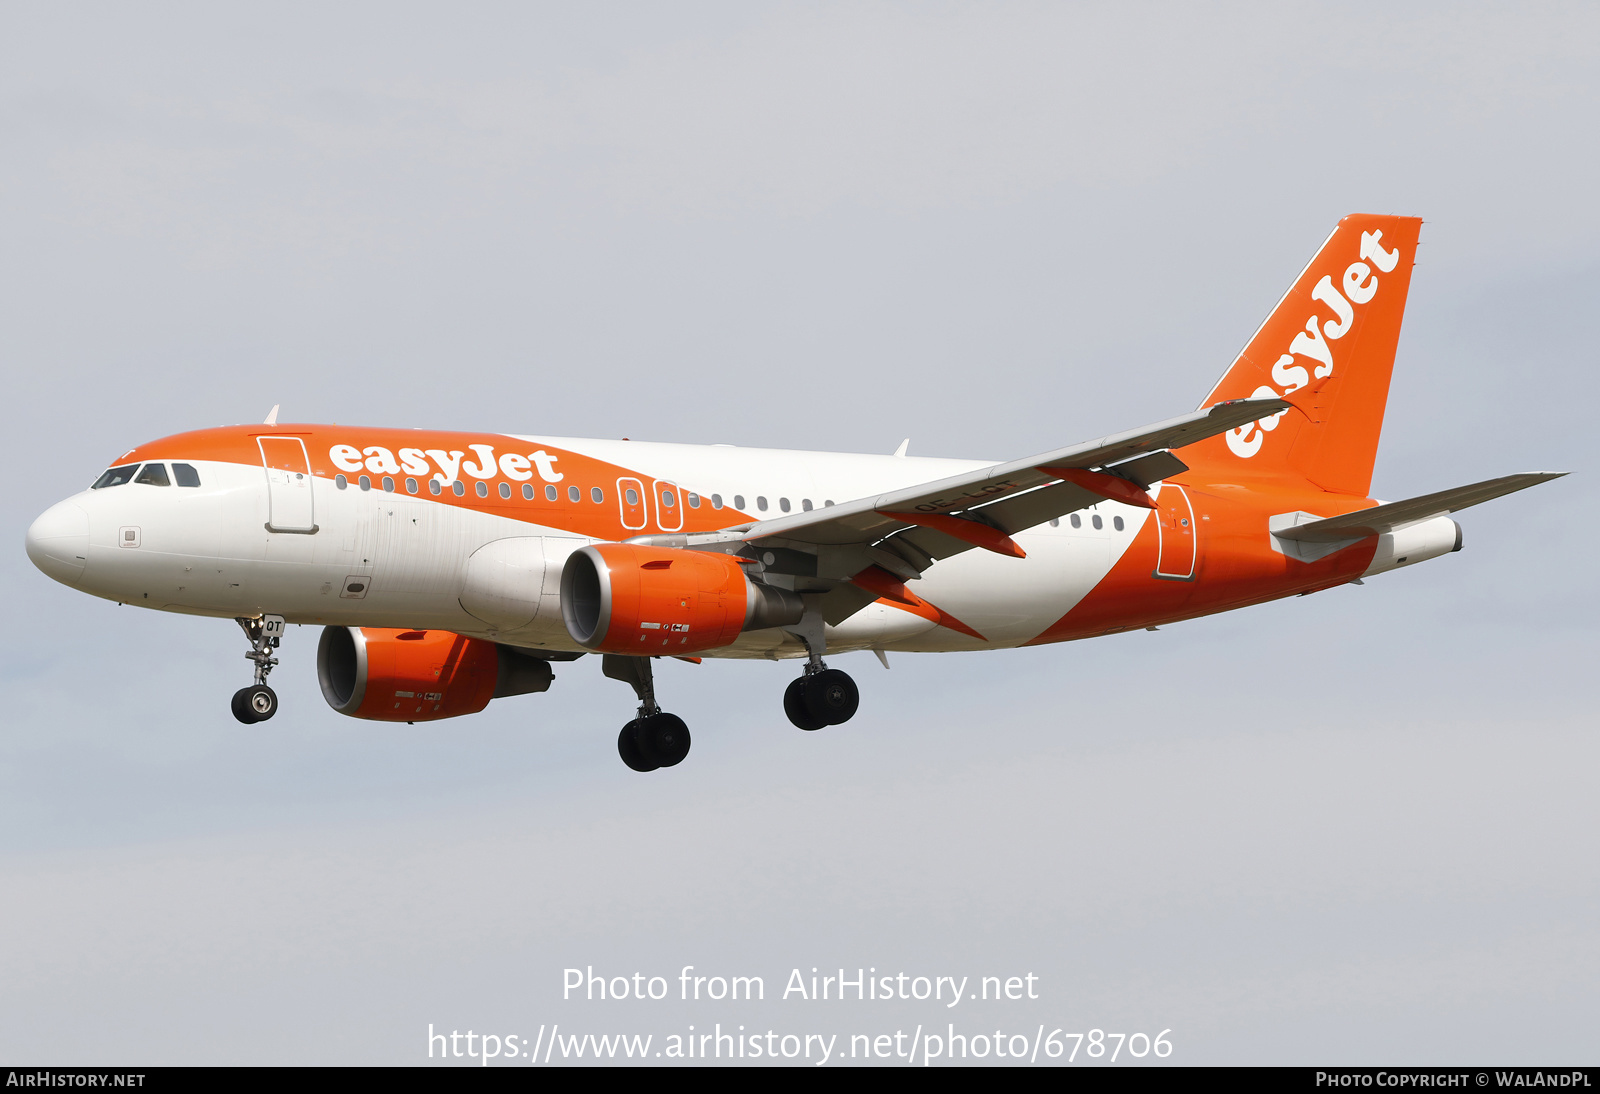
[
  {"x": 624, "y": 598},
  {"x": 419, "y": 676}
]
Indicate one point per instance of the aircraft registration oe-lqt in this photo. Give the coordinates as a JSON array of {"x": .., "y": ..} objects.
[{"x": 449, "y": 569}]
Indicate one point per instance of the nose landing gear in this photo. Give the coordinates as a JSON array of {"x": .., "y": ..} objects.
[
  {"x": 654, "y": 739},
  {"x": 258, "y": 702}
]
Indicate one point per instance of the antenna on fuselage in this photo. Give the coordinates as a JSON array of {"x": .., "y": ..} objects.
[
  {"x": 905, "y": 444},
  {"x": 272, "y": 416}
]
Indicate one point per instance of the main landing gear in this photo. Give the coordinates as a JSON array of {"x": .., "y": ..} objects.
[
  {"x": 258, "y": 702},
  {"x": 822, "y": 696},
  {"x": 655, "y": 738}
]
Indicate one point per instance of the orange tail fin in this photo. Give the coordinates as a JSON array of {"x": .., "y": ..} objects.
[{"x": 1328, "y": 347}]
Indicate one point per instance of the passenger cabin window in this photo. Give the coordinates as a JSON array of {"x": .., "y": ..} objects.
[
  {"x": 667, "y": 499},
  {"x": 1077, "y": 521},
  {"x": 185, "y": 474},
  {"x": 783, "y": 503},
  {"x": 694, "y": 501},
  {"x": 805, "y": 505},
  {"x": 716, "y": 501},
  {"x": 551, "y": 494},
  {"x": 433, "y": 486},
  {"x": 340, "y": 481},
  {"x": 738, "y": 501},
  {"x": 527, "y": 491},
  {"x": 598, "y": 495},
  {"x": 116, "y": 476},
  {"x": 1116, "y": 522},
  {"x": 633, "y": 496},
  {"x": 365, "y": 482},
  {"x": 458, "y": 488},
  {"x": 761, "y": 504},
  {"x": 574, "y": 494},
  {"x": 154, "y": 474},
  {"x": 411, "y": 486},
  {"x": 388, "y": 484},
  {"x": 1098, "y": 523}
]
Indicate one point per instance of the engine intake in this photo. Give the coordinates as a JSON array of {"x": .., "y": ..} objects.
[
  {"x": 419, "y": 676},
  {"x": 624, "y": 598}
]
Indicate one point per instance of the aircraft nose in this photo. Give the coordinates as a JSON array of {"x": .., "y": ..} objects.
[{"x": 58, "y": 542}]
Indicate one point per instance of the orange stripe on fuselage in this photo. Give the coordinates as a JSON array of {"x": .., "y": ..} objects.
[
  {"x": 603, "y": 520},
  {"x": 1236, "y": 565}
]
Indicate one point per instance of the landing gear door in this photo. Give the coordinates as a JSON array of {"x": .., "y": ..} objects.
[{"x": 289, "y": 503}]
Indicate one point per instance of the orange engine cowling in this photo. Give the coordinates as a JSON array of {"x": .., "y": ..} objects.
[
  {"x": 419, "y": 676},
  {"x": 625, "y": 598}
]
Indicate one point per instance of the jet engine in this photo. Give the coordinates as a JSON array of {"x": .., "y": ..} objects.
[
  {"x": 624, "y": 598},
  {"x": 419, "y": 676}
]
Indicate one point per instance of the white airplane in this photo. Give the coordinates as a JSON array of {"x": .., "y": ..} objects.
[{"x": 449, "y": 569}]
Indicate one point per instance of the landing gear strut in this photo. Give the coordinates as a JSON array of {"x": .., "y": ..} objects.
[
  {"x": 822, "y": 696},
  {"x": 655, "y": 738},
  {"x": 258, "y": 702}
]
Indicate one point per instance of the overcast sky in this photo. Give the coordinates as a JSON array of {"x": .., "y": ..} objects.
[{"x": 1354, "y": 827}]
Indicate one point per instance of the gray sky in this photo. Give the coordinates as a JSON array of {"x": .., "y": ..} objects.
[{"x": 1355, "y": 827}]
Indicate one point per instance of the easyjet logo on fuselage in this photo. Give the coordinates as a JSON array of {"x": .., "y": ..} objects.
[
  {"x": 450, "y": 462},
  {"x": 1315, "y": 343}
]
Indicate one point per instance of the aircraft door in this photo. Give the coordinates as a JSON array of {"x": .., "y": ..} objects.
[
  {"x": 630, "y": 495},
  {"x": 1177, "y": 535},
  {"x": 669, "y": 506},
  {"x": 290, "y": 507}
]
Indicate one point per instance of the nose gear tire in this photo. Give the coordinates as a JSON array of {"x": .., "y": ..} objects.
[{"x": 254, "y": 704}]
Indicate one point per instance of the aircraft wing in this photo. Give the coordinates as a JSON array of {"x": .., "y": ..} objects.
[
  {"x": 1009, "y": 497},
  {"x": 862, "y": 550},
  {"x": 1397, "y": 514}
]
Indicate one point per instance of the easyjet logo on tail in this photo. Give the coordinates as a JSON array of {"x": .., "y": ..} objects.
[
  {"x": 1310, "y": 355},
  {"x": 450, "y": 462}
]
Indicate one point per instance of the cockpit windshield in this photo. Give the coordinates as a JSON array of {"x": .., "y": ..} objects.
[
  {"x": 116, "y": 476},
  {"x": 154, "y": 474}
]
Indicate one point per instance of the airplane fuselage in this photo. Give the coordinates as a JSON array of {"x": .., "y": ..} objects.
[{"x": 372, "y": 530}]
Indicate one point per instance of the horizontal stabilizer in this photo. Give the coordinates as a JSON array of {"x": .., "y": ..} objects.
[{"x": 1397, "y": 514}]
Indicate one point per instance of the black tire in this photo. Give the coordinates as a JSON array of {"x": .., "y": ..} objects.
[
  {"x": 628, "y": 748},
  {"x": 796, "y": 707},
  {"x": 663, "y": 738},
  {"x": 831, "y": 696},
  {"x": 241, "y": 707}
]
